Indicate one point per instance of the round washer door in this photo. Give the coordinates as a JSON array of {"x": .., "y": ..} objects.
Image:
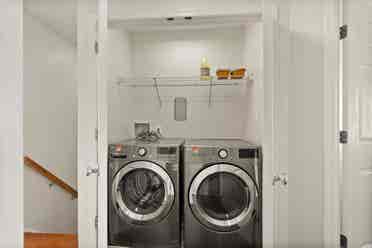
[
  {"x": 222, "y": 197},
  {"x": 142, "y": 193}
]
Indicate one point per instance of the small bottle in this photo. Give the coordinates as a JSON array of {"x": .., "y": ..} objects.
[{"x": 205, "y": 70}]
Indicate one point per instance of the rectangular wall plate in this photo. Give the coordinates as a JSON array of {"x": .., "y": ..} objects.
[
  {"x": 180, "y": 109},
  {"x": 141, "y": 127}
]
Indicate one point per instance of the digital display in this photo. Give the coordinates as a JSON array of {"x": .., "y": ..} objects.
[
  {"x": 122, "y": 156},
  {"x": 167, "y": 150},
  {"x": 248, "y": 153}
]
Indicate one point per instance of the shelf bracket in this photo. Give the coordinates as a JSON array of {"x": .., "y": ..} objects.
[{"x": 157, "y": 91}]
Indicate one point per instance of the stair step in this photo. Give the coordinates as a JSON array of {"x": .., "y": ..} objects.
[{"x": 49, "y": 240}]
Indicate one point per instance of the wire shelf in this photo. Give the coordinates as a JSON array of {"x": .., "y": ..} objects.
[
  {"x": 138, "y": 82},
  {"x": 173, "y": 82}
]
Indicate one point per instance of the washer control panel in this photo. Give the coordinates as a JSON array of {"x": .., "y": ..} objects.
[{"x": 153, "y": 152}]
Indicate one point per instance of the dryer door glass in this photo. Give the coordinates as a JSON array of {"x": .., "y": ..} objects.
[
  {"x": 223, "y": 197},
  {"x": 142, "y": 193}
]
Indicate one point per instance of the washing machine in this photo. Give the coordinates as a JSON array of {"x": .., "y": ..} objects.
[
  {"x": 222, "y": 194},
  {"x": 143, "y": 207}
]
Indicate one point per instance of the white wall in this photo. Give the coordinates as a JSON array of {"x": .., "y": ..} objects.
[
  {"x": 179, "y": 53},
  {"x": 119, "y": 9},
  {"x": 50, "y": 106},
  {"x": 253, "y": 58},
  {"x": 11, "y": 140},
  {"x": 119, "y": 65}
]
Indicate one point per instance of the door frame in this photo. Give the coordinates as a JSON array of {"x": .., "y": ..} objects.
[
  {"x": 11, "y": 125},
  {"x": 269, "y": 43},
  {"x": 270, "y": 14},
  {"x": 331, "y": 161},
  {"x": 270, "y": 75},
  {"x": 102, "y": 123}
]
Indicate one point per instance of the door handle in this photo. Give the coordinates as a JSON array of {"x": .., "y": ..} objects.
[
  {"x": 282, "y": 179},
  {"x": 91, "y": 171}
]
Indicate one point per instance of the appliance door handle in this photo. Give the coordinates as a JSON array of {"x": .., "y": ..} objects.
[{"x": 282, "y": 179}]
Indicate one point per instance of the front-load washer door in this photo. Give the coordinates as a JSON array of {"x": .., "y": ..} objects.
[
  {"x": 142, "y": 193},
  {"x": 222, "y": 197}
]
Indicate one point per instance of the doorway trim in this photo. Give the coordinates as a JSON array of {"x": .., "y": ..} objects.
[
  {"x": 11, "y": 126},
  {"x": 269, "y": 43},
  {"x": 331, "y": 146},
  {"x": 102, "y": 123},
  {"x": 331, "y": 159},
  {"x": 270, "y": 35}
]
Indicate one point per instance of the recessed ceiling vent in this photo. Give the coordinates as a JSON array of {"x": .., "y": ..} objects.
[{"x": 172, "y": 19}]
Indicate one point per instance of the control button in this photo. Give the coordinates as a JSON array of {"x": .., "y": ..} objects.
[
  {"x": 142, "y": 152},
  {"x": 118, "y": 148},
  {"x": 223, "y": 154}
]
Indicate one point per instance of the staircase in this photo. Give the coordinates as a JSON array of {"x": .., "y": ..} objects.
[
  {"x": 47, "y": 240},
  {"x": 50, "y": 240}
]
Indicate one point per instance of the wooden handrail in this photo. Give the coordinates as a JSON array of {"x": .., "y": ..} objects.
[{"x": 50, "y": 176}]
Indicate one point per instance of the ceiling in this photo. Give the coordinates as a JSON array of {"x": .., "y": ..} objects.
[
  {"x": 182, "y": 23},
  {"x": 60, "y": 15}
]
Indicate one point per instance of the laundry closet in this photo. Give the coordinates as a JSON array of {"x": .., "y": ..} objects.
[
  {"x": 155, "y": 58},
  {"x": 185, "y": 123}
]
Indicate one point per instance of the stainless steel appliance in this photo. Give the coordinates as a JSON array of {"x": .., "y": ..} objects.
[
  {"x": 143, "y": 209},
  {"x": 222, "y": 184}
]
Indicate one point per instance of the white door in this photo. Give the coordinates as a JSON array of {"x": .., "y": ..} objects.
[
  {"x": 91, "y": 129},
  {"x": 298, "y": 126},
  {"x": 357, "y": 177}
]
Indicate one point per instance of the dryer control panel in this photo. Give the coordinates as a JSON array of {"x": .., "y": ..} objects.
[
  {"x": 248, "y": 153},
  {"x": 221, "y": 154}
]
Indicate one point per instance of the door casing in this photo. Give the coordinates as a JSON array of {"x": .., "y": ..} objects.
[{"x": 271, "y": 60}]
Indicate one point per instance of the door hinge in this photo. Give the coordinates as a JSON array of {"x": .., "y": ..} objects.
[
  {"x": 96, "y": 221},
  {"x": 343, "y": 241},
  {"x": 344, "y": 137},
  {"x": 96, "y": 134},
  {"x": 343, "y": 32},
  {"x": 96, "y": 47}
]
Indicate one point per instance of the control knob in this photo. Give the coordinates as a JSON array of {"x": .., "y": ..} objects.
[
  {"x": 223, "y": 154},
  {"x": 142, "y": 152}
]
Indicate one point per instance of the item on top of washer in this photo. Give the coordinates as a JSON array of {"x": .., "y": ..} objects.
[
  {"x": 149, "y": 136},
  {"x": 223, "y": 73},
  {"x": 238, "y": 73},
  {"x": 141, "y": 127}
]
